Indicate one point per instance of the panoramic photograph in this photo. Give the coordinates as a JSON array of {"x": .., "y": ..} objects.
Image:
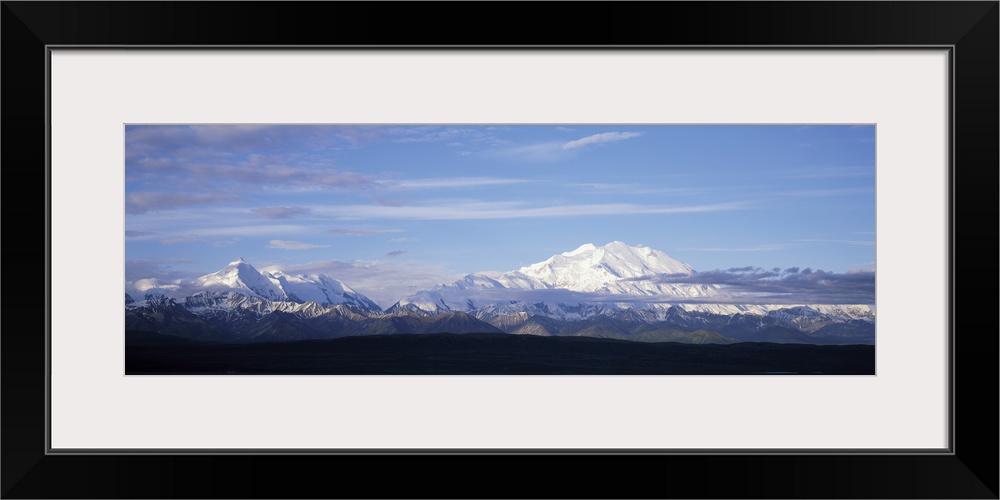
[{"x": 498, "y": 249}]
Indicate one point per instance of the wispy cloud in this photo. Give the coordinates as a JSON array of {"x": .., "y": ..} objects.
[
  {"x": 252, "y": 170},
  {"x": 137, "y": 234},
  {"x": 632, "y": 188},
  {"x": 146, "y": 201},
  {"x": 224, "y": 242},
  {"x": 249, "y": 230},
  {"x": 790, "y": 286},
  {"x": 362, "y": 232},
  {"x": 509, "y": 210},
  {"x": 395, "y": 253},
  {"x": 752, "y": 248},
  {"x": 829, "y": 172},
  {"x": 813, "y": 193},
  {"x": 293, "y": 245},
  {"x": 182, "y": 142},
  {"x": 457, "y": 182},
  {"x": 280, "y": 212},
  {"x": 178, "y": 239},
  {"x": 159, "y": 269},
  {"x": 842, "y": 242},
  {"x": 599, "y": 138},
  {"x": 213, "y": 238},
  {"x": 542, "y": 150},
  {"x": 260, "y": 172},
  {"x": 768, "y": 247},
  {"x": 389, "y": 202},
  {"x": 546, "y": 151}
]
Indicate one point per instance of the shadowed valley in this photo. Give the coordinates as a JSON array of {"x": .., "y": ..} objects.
[{"x": 486, "y": 354}]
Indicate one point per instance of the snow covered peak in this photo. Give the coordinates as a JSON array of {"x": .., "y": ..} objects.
[
  {"x": 590, "y": 267},
  {"x": 615, "y": 268},
  {"x": 474, "y": 281},
  {"x": 240, "y": 276},
  {"x": 320, "y": 288},
  {"x": 587, "y": 247},
  {"x": 621, "y": 248},
  {"x": 593, "y": 280}
]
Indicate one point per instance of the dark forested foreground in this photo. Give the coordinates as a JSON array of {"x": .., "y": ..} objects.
[{"x": 487, "y": 354}]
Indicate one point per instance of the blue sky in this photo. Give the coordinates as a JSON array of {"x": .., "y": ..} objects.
[{"x": 390, "y": 209}]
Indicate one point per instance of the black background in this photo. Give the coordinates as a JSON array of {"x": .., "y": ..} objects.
[{"x": 972, "y": 472}]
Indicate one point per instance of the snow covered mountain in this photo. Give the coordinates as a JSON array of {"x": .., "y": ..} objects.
[
  {"x": 319, "y": 288},
  {"x": 606, "y": 279},
  {"x": 239, "y": 276},
  {"x": 592, "y": 268},
  {"x": 241, "y": 285},
  {"x": 612, "y": 291},
  {"x": 586, "y": 282},
  {"x": 239, "y": 303}
]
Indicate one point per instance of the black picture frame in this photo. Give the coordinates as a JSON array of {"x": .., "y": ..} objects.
[{"x": 970, "y": 29}]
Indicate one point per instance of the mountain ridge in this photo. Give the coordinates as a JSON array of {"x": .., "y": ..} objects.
[
  {"x": 609, "y": 291},
  {"x": 608, "y": 278},
  {"x": 240, "y": 277}
]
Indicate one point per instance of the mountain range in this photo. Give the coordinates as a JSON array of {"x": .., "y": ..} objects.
[{"x": 609, "y": 291}]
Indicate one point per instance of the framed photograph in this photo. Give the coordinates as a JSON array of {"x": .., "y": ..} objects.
[
  {"x": 401, "y": 208},
  {"x": 693, "y": 252}
]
